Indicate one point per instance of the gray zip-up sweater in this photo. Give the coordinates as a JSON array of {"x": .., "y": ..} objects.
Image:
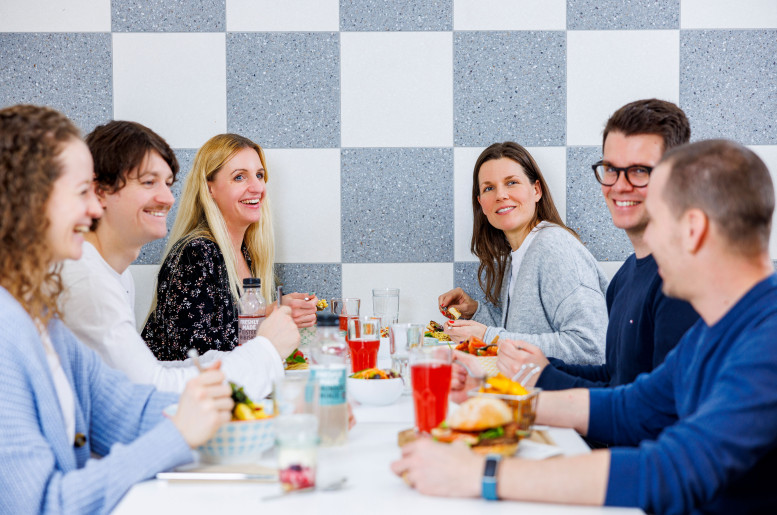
[{"x": 558, "y": 300}]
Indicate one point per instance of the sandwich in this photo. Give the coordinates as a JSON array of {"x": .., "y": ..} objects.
[{"x": 484, "y": 423}]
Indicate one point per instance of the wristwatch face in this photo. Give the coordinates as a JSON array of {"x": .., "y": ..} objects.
[{"x": 488, "y": 489}]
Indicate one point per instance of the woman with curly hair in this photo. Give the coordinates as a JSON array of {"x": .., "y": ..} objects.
[
  {"x": 60, "y": 404},
  {"x": 222, "y": 234},
  {"x": 546, "y": 286}
]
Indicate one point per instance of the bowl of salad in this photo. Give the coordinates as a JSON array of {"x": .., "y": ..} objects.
[{"x": 375, "y": 387}]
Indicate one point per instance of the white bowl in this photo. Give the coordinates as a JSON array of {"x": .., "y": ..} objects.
[
  {"x": 239, "y": 441},
  {"x": 375, "y": 392}
]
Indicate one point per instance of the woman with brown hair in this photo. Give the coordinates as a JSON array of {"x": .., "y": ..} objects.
[
  {"x": 60, "y": 404},
  {"x": 546, "y": 287}
]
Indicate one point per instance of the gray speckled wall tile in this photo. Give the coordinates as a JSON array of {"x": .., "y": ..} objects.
[
  {"x": 619, "y": 15},
  {"x": 70, "y": 72},
  {"x": 151, "y": 253},
  {"x": 728, "y": 84},
  {"x": 395, "y": 15},
  {"x": 397, "y": 205},
  {"x": 465, "y": 276},
  {"x": 509, "y": 86},
  {"x": 283, "y": 89},
  {"x": 323, "y": 279},
  {"x": 168, "y": 15},
  {"x": 587, "y": 211}
]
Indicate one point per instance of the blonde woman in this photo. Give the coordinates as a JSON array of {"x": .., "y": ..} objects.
[
  {"x": 221, "y": 235},
  {"x": 61, "y": 405}
]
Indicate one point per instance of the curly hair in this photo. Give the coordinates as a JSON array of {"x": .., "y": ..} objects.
[{"x": 31, "y": 139}]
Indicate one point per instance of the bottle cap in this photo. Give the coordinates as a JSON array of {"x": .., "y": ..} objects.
[
  {"x": 252, "y": 282},
  {"x": 327, "y": 320}
]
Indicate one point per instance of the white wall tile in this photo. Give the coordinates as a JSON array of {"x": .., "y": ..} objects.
[
  {"x": 610, "y": 267},
  {"x": 552, "y": 162},
  {"x": 769, "y": 155},
  {"x": 463, "y": 165},
  {"x": 288, "y": 15},
  {"x": 419, "y": 286},
  {"x": 509, "y": 14},
  {"x": 174, "y": 83},
  {"x": 720, "y": 14},
  {"x": 144, "y": 277},
  {"x": 55, "y": 16},
  {"x": 397, "y": 89},
  {"x": 607, "y": 69},
  {"x": 304, "y": 185}
]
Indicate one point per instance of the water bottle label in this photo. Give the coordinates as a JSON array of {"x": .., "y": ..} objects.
[{"x": 332, "y": 384}]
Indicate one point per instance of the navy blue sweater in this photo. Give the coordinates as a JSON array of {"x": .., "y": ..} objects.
[
  {"x": 644, "y": 326},
  {"x": 705, "y": 420}
]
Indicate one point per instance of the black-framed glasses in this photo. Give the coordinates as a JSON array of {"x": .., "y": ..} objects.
[{"x": 607, "y": 175}]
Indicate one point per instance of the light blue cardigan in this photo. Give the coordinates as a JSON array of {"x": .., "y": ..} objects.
[{"x": 40, "y": 471}]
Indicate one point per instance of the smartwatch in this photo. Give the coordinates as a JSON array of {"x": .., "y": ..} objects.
[{"x": 489, "y": 477}]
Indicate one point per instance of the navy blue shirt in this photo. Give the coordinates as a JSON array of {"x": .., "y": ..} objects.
[
  {"x": 644, "y": 326},
  {"x": 705, "y": 420}
]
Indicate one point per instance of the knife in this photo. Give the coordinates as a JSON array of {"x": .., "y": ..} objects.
[{"x": 215, "y": 476}]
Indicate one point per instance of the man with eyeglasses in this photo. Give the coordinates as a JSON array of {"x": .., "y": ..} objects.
[
  {"x": 699, "y": 433},
  {"x": 644, "y": 324}
]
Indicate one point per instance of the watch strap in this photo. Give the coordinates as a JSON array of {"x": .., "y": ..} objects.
[{"x": 488, "y": 490}]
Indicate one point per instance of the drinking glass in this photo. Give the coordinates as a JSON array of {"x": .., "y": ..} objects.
[
  {"x": 363, "y": 338},
  {"x": 297, "y": 440},
  {"x": 385, "y": 304},
  {"x": 402, "y": 338},
  {"x": 296, "y": 394},
  {"x": 430, "y": 372},
  {"x": 345, "y": 309}
]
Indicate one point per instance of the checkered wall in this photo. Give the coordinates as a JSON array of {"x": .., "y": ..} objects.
[{"x": 372, "y": 112}]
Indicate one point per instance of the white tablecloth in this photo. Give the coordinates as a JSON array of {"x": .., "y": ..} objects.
[{"x": 371, "y": 486}]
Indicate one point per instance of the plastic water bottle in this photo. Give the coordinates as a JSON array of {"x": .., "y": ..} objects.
[
  {"x": 328, "y": 353},
  {"x": 251, "y": 310}
]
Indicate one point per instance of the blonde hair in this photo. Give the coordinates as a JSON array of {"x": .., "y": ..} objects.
[{"x": 199, "y": 216}]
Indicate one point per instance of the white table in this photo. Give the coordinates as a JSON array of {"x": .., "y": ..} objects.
[{"x": 371, "y": 489}]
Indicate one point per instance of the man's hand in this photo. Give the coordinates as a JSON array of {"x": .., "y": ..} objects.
[
  {"x": 514, "y": 353},
  {"x": 461, "y": 381},
  {"x": 458, "y": 299},
  {"x": 281, "y": 330},
  {"x": 432, "y": 468},
  {"x": 205, "y": 404}
]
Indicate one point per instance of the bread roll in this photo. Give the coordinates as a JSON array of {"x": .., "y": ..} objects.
[{"x": 479, "y": 414}]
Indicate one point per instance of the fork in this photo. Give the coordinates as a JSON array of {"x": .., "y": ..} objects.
[{"x": 526, "y": 372}]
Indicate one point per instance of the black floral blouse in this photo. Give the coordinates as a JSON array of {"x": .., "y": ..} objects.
[{"x": 194, "y": 305}]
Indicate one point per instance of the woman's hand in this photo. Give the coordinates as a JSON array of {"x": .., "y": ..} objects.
[
  {"x": 281, "y": 330},
  {"x": 457, "y": 298},
  {"x": 459, "y": 330},
  {"x": 433, "y": 468},
  {"x": 302, "y": 311},
  {"x": 461, "y": 381},
  {"x": 205, "y": 404},
  {"x": 514, "y": 353}
]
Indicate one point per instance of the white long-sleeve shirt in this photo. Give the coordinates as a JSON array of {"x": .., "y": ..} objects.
[{"x": 98, "y": 307}]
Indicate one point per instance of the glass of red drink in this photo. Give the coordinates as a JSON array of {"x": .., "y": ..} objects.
[
  {"x": 363, "y": 339},
  {"x": 430, "y": 374},
  {"x": 345, "y": 308}
]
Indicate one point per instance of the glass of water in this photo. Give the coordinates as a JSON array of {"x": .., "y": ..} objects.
[
  {"x": 402, "y": 338},
  {"x": 385, "y": 304}
]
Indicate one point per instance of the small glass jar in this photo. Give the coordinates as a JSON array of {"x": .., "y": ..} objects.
[{"x": 297, "y": 445}]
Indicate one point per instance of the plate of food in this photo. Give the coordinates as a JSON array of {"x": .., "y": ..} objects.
[
  {"x": 296, "y": 362},
  {"x": 485, "y": 352}
]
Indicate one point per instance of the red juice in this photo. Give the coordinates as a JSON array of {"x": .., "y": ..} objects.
[
  {"x": 344, "y": 321},
  {"x": 431, "y": 385},
  {"x": 364, "y": 354}
]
